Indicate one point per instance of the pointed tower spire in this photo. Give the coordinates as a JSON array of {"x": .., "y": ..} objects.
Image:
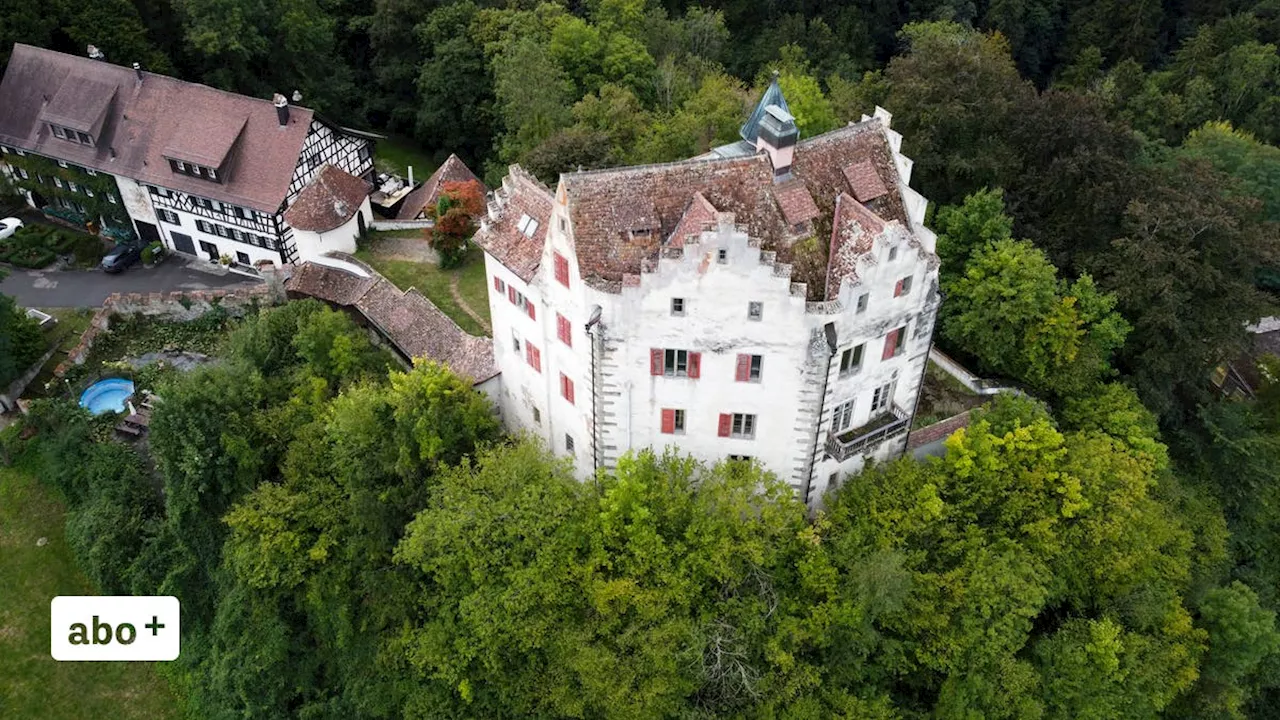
[{"x": 772, "y": 96}]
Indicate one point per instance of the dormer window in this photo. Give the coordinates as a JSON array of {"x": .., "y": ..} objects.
[
  {"x": 641, "y": 233},
  {"x": 193, "y": 170},
  {"x": 68, "y": 134},
  {"x": 528, "y": 226}
]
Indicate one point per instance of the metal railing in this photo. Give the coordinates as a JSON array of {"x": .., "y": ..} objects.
[{"x": 857, "y": 442}]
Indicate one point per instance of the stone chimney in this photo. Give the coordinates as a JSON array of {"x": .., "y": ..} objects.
[
  {"x": 95, "y": 53},
  {"x": 777, "y": 136},
  {"x": 282, "y": 108}
]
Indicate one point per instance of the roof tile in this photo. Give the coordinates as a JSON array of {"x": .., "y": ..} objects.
[
  {"x": 328, "y": 201},
  {"x": 415, "y": 204}
]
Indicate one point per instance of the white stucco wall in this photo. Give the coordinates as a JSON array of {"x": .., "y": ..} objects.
[{"x": 311, "y": 245}]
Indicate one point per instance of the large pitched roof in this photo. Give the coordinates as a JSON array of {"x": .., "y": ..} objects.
[
  {"x": 136, "y": 126},
  {"x": 328, "y": 201},
  {"x": 408, "y": 319},
  {"x": 415, "y": 204},
  {"x": 604, "y": 204}
]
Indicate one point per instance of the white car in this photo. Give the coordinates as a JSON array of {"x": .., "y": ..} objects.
[{"x": 9, "y": 226}]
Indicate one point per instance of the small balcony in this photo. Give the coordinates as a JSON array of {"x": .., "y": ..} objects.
[{"x": 864, "y": 439}]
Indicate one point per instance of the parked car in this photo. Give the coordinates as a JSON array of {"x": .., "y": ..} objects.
[
  {"x": 121, "y": 257},
  {"x": 9, "y": 226}
]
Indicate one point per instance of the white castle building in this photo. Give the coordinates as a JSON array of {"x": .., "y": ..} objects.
[
  {"x": 648, "y": 306},
  {"x": 208, "y": 173}
]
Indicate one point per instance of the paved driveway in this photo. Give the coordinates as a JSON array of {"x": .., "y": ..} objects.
[{"x": 88, "y": 288}]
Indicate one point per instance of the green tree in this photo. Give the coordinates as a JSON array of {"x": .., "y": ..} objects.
[
  {"x": 454, "y": 88},
  {"x": 1242, "y": 637},
  {"x": 20, "y": 341},
  {"x": 532, "y": 96},
  {"x": 962, "y": 229},
  {"x": 1011, "y": 312},
  {"x": 813, "y": 111}
]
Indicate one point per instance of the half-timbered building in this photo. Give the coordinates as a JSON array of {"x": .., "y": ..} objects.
[{"x": 209, "y": 173}]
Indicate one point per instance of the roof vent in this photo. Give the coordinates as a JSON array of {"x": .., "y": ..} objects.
[
  {"x": 95, "y": 53},
  {"x": 282, "y": 108},
  {"x": 137, "y": 70}
]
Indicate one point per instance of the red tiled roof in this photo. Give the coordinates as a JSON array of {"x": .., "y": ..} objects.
[
  {"x": 415, "y": 204},
  {"x": 938, "y": 431},
  {"x": 328, "y": 201},
  {"x": 408, "y": 319},
  {"x": 142, "y": 123},
  {"x": 864, "y": 181},
  {"x": 853, "y": 230},
  {"x": 796, "y": 202},
  {"x": 699, "y": 216},
  {"x": 500, "y": 236}
]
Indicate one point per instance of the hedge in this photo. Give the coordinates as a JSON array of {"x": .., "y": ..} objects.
[{"x": 32, "y": 257}]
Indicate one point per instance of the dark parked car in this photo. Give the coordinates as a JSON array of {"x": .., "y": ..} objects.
[{"x": 121, "y": 257}]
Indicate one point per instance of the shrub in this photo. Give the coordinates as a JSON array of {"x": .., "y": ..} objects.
[
  {"x": 32, "y": 257},
  {"x": 87, "y": 249},
  {"x": 61, "y": 242}
]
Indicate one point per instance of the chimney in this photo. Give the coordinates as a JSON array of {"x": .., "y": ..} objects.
[
  {"x": 410, "y": 176},
  {"x": 95, "y": 53},
  {"x": 137, "y": 70},
  {"x": 282, "y": 108},
  {"x": 777, "y": 137}
]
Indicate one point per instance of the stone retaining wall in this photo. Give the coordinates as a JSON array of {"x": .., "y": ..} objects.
[{"x": 177, "y": 306}]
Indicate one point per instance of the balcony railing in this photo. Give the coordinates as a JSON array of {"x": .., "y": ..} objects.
[{"x": 845, "y": 445}]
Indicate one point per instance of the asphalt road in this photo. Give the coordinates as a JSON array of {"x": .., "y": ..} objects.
[{"x": 88, "y": 288}]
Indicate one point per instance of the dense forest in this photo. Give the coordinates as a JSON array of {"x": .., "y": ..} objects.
[{"x": 353, "y": 543}]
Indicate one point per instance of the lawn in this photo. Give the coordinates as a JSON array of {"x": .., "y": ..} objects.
[
  {"x": 72, "y": 322},
  {"x": 396, "y": 154},
  {"x": 32, "y": 685},
  {"x": 434, "y": 283}
]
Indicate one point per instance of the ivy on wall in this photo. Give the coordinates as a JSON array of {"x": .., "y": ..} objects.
[{"x": 102, "y": 185}]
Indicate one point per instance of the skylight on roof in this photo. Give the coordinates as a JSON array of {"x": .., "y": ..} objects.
[{"x": 528, "y": 225}]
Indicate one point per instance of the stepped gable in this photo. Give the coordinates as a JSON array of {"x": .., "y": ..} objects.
[
  {"x": 853, "y": 231},
  {"x": 602, "y": 207},
  {"x": 699, "y": 216},
  {"x": 500, "y": 232},
  {"x": 426, "y": 195},
  {"x": 607, "y": 205},
  {"x": 137, "y": 126},
  {"x": 328, "y": 201}
]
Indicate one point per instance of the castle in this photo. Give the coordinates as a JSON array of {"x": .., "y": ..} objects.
[{"x": 651, "y": 306}]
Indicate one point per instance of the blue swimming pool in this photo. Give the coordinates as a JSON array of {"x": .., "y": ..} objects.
[{"x": 106, "y": 395}]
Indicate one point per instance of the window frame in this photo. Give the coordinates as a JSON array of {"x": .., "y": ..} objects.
[
  {"x": 855, "y": 356},
  {"x": 743, "y": 426},
  {"x": 677, "y": 312},
  {"x": 842, "y": 416},
  {"x": 882, "y": 399},
  {"x": 755, "y": 310},
  {"x": 864, "y": 300}
]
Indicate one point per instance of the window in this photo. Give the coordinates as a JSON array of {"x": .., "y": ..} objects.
[
  {"x": 851, "y": 361},
  {"x": 564, "y": 226},
  {"x": 893, "y": 253},
  {"x": 364, "y": 154},
  {"x": 27, "y": 176},
  {"x": 722, "y": 256},
  {"x": 181, "y": 166},
  {"x": 564, "y": 330},
  {"x": 528, "y": 308},
  {"x": 880, "y": 398},
  {"x": 737, "y": 425},
  {"x": 533, "y": 356},
  {"x": 842, "y": 417},
  {"x": 57, "y": 132},
  {"x": 832, "y": 479},
  {"x": 242, "y": 258},
  {"x": 862, "y": 302},
  {"x": 111, "y": 198},
  {"x": 893, "y": 343},
  {"x": 527, "y": 225},
  {"x": 568, "y": 443},
  {"x": 748, "y": 368},
  {"x": 57, "y": 182},
  {"x": 91, "y": 171},
  {"x": 537, "y": 416},
  {"x": 755, "y": 310},
  {"x": 88, "y": 192},
  {"x": 170, "y": 217},
  {"x": 903, "y": 287},
  {"x": 4, "y": 149},
  {"x": 73, "y": 187},
  {"x": 499, "y": 285},
  {"x": 672, "y": 421},
  {"x": 62, "y": 163},
  {"x": 84, "y": 138},
  {"x": 566, "y": 388},
  {"x": 515, "y": 342},
  {"x": 562, "y": 269},
  {"x": 677, "y": 307},
  {"x": 675, "y": 363}
]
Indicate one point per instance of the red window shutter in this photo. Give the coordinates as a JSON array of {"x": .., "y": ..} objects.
[
  {"x": 655, "y": 361},
  {"x": 695, "y": 365},
  {"x": 528, "y": 307},
  {"x": 497, "y": 284},
  {"x": 511, "y": 294},
  {"x": 668, "y": 421},
  {"x": 535, "y": 357},
  {"x": 743, "y": 371},
  {"x": 890, "y": 345},
  {"x": 562, "y": 270},
  {"x": 726, "y": 424},
  {"x": 568, "y": 385},
  {"x": 564, "y": 330},
  {"x": 897, "y": 289}
]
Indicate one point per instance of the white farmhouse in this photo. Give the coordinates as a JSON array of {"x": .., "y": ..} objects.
[
  {"x": 209, "y": 173},
  {"x": 650, "y": 306}
]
